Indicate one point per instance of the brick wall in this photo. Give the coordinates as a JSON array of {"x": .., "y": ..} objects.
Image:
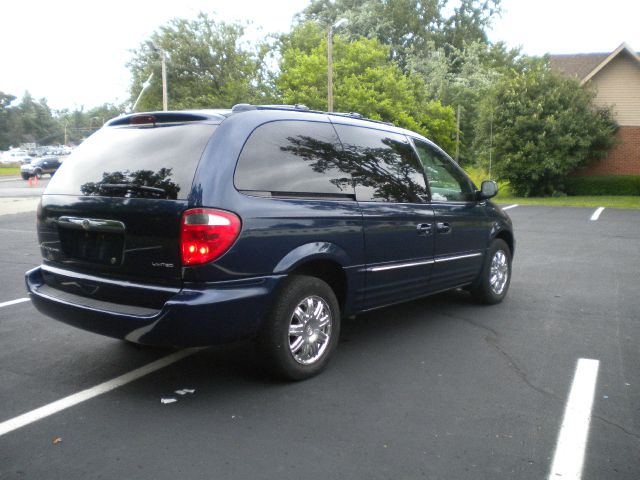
[{"x": 623, "y": 158}]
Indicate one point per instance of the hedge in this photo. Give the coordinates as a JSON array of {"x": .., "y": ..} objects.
[{"x": 607, "y": 185}]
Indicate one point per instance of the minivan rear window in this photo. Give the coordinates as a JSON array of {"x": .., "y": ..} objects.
[{"x": 138, "y": 162}]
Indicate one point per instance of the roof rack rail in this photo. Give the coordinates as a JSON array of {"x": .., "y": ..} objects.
[
  {"x": 360, "y": 117},
  {"x": 244, "y": 107}
]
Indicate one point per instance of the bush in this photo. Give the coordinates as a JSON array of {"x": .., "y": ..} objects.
[
  {"x": 539, "y": 127},
  {"x": 608, "y": 185}
]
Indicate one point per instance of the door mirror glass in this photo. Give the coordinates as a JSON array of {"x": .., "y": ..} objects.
[{"x": 488, "y": 189}]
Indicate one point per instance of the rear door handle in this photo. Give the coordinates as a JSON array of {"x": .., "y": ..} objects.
[
  {"x": 424, "y": 228},
  {"x": 443, "y": 227}
]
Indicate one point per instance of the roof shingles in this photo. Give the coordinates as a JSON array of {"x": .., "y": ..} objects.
[{"x": 579, "y": 65}]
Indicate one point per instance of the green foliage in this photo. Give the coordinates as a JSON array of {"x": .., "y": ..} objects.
[
  {"x": 462, "y": 79},
  {"x": 29, "y": 121},
  {"x": 540, "y": 127},
  {"x": 35, "y": 123},
  {"x": 620, "y": 201},
  {"x": 6, "y": 171},
  {"x": 448, "y": 47},
  {"x": 79, "y": 123},
  {"x": 365, "y": 81},
  {"x": 207, "y": 66},
  {"x": 390, "y": 21},
  {"x": 5, "y": 120},
  {"x": 607, "y": 185}
]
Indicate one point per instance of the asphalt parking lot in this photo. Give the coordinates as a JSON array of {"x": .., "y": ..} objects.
[{"x": 439, "y": 388}]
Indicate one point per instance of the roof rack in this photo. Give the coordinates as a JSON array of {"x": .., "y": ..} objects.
[
  {"x": 359, "y": 117},
  {"x": 245, "y": 107}
]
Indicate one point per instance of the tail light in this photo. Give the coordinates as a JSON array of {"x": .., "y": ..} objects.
[{"x": 206, "y": 234}]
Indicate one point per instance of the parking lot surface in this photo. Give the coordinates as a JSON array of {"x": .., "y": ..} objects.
[{"x": 439, "y": 388}]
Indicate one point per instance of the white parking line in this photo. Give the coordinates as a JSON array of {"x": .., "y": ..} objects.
[
  {"x": 510, "y": 206},
  {"x": 596, "y": 214},
  {"x": 66, "y": 402},
  {"x": 574, "y": 432},
  {"x": 13, "y": 302}
]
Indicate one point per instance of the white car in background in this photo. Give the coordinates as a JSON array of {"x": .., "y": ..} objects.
[{"x": 15, "y": 156}]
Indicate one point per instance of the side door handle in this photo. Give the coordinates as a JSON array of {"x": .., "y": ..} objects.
[
  {"x": 442, "y": 227},
  {"x": 424, "y": 228}
]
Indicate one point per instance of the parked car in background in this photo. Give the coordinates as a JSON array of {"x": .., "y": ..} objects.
[
  {"x": 271, "y": 223},
  {"x": 41, "y": 166},
  {"x": 15, "y": 156}
]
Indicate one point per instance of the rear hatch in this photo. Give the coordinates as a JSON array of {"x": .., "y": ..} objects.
[{"x": 112, "y": 211}]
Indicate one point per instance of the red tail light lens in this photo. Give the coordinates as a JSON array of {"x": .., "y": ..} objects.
[{"x": 207, "y": 234}]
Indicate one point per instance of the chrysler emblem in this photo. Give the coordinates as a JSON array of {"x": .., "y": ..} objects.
[{"x": 86, "y": 224}]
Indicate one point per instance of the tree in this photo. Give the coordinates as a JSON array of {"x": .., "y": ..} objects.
[
  {"x": 5, "y": 119},
  {"x": 462, "y": 79},
  {"x": 408, "y": 27},
  {"x": 468, "y": 24},
  {"x": 207, "y": 66},
  {"x": 443, "y": 41},
  {"x": 29, "y": 121},
  {"x": 366, "y": 81},
  {"x": 540, "y": 127}
]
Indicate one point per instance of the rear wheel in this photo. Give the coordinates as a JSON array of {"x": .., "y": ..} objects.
[
  {"x": 493, "y": 283},
  {"x": 302, "y": 331}
]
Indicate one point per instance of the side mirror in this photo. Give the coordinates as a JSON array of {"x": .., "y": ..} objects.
[{"x": 488, "y": 189}]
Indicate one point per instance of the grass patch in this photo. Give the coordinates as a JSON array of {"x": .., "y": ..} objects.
[
  {"x": 581, "y": 201},
  {"x": 6, "y": 171},
  {"x": 506, "y": 197}
]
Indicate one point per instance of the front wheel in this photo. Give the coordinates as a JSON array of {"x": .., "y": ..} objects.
[
  {"x": 302, "y": 331},
  {"x": 493, "y": 283}
]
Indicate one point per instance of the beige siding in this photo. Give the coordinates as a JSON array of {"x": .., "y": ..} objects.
[{"x": 618, "y": 84}]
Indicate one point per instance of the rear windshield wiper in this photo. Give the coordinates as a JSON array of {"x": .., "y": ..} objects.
[{"x": 134, "y": 188}]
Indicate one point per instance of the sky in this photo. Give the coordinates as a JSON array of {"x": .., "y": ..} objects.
[{"x": 74, "y": 53}]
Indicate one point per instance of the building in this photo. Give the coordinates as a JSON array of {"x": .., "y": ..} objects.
[{"x": 616, "y": 78}]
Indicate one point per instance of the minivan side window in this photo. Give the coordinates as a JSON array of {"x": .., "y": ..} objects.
[
  {"x": 446, "y": 182},
  {"x": 294, "y": 158},
  {"x": 383, "y": 165}
]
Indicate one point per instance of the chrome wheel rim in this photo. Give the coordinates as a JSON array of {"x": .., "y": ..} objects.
[
  {"x": 499, "y": 272},
  {"x": 310, "y": 330}
]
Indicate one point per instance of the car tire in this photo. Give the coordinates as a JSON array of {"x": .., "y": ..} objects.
[
  {"x": 302, "y": 330},
  {"x": 25, "y": 176},
  {"x": 493, "y": 283}
]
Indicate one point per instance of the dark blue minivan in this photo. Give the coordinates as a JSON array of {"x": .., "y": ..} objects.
[{"x": 267, "y": 222}]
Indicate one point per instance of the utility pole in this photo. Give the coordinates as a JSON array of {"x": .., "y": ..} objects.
[
  {"x": 490, "y": 143},
  {"x": 330, "y": 69},
  {"x": 458, "y": 135},
  {"x": 165, "y": 99},
  {"x": 163, "y": 57},
  {"x": 340, "y": 22}
]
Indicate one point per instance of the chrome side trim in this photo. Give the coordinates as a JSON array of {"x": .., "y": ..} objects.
[
  {"x": 399, "y": 265},
  {"x": 457, "y": 257},
  {"x": 382, "y": 268}
]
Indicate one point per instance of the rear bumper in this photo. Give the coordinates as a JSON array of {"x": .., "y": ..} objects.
[{"x": 199, "y": 314}]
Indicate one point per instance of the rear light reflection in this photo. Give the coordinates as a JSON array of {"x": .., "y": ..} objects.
[{"x": 206, "y": 234}]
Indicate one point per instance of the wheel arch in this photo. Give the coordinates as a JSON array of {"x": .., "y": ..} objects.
[
  {"x": 507, "y": 237},
  {"x": 323, "y": 260}
]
